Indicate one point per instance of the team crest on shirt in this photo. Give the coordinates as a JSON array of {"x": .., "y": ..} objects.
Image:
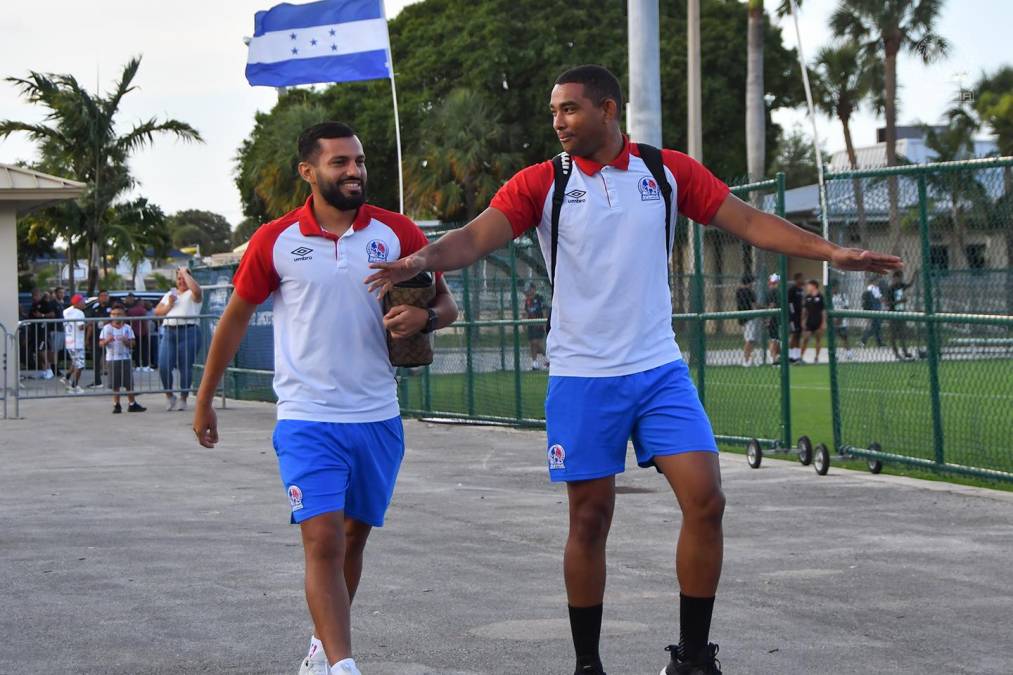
[
  {"x": 575, "y": 196},
  {"x": 649, "y": 190},
  {"x": 295, "y": 497},
  {"x": 377, "y": 251},
  {"x": 556, "y": 456}
]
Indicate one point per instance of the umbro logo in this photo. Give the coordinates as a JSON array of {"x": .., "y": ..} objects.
[
  {"x": 302, "y": 253},
  {"x": 576, "y": 196}
]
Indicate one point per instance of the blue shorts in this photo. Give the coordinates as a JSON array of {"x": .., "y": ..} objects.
[
  {"x": 330, "y": 466},
  {"x": 589, "y": 421}
]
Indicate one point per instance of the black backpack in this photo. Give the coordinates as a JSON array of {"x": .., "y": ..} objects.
[{"x": 563, "y": 167}]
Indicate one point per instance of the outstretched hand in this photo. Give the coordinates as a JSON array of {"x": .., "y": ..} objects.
[
  {"x": 393, "y": 273},
  {"x": 860, "y": 260}
]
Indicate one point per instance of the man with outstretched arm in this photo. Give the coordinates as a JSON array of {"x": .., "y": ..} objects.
[
  {"x": 338, "y": 438},
  {"x": 611, "y": 331}
]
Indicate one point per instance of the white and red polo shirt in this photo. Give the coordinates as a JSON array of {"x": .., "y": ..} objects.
[
  {"x": 611, "y": 304},
  {"x": 331, "y": 362}
]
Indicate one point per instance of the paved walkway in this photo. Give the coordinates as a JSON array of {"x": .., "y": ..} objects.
[{"x": 126, "y": 549}]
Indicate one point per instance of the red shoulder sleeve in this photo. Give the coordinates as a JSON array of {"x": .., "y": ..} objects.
[
  {"x": 256, "y": 277},
  {"x": 522, "y": 198},
  {"x": 700, "y": 193}
]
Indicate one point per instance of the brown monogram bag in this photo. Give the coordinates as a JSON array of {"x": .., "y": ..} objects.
[{"x": 416, "y": 350}]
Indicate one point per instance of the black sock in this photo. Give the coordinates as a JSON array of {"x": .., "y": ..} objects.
[
  {"x": 694, "y": 625},
  {"x": 585, "y": 626}
]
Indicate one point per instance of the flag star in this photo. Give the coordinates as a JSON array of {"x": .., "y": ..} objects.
[
  {"x": 294, "y": 50},
  {"x": 334, "y": 48},
  {"x": 292, "y": 36},
  {"x": 313, "y": 42},
  {"x": 332, "y": 32}
]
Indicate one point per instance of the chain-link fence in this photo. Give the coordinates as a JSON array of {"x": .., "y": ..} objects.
[{"x": 931, "y": 379}]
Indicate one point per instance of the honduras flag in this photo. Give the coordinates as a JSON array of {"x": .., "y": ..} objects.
[{"x": 326, "y": 41}]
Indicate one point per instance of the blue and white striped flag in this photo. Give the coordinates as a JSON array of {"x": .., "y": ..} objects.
[{"x": 327, "y": 41}]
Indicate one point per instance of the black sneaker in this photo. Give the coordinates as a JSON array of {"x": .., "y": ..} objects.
[
  {"x": 589, "y": 670},
  {"x": 706, "y": 662},
  {"x": 117, "y": 409},
  {"x": 136, "y": 407}
]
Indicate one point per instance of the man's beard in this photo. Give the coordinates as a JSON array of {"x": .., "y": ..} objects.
[{"x": 332, "y": 194}]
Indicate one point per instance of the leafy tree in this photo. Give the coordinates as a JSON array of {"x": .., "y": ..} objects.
[
  {"x": 194, "y": 227},
  {"x": 79, "y": 138},
  {"x": 844, "y": 79},
  {"x": 462, "y": 161},
  {"x": 885, "y": 28},
  {"x": 510, "y": 52},
  {"x": 795, "y": 157},
  {"x": 138, "y": 230},
  {"x": 244, "y": 231}
]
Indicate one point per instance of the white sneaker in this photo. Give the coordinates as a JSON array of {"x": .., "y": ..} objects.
[
  {"x": 315, "y": 663},
  {"x": 182, "y": 404},
  {"x": 47, "y": 374},
  {"x": 78, "y": 390},
  {"x": 345, "y": 667},
  {"x": 170, "y": 403}
]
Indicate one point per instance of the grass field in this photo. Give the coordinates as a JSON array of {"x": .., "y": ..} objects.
[{"x": 884, "y": 402}]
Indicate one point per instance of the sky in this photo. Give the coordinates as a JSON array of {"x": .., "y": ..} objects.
[{"x": 192, "y": 70}]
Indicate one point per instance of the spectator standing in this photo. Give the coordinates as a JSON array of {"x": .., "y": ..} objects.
[
  {"x": 841, "y": 323},
  {"x": 60, "y": 302},
  {"x": 117, "y": 340},
  {"x": 38, "y": 334},
  {"x": 814, "y": 319},
  {"x": 534, "y": 308},
  {"x": 100, "y": 311},
  {"x": 178, "y": 348},
  {"x": 872, "y": 301},
  {"x": 774, "y": 322},
  {"x": 142, "y": 353},
  {"x": 745, "y": 300},
  {"x": 898, "y": 303},
  {"x": 74, "y": 342},
  {"x": 796, "y": 297}
]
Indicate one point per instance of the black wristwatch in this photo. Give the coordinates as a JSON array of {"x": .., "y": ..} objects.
[{"x": 431, "y": 321}]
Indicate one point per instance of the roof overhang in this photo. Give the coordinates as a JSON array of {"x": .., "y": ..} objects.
[{"x": 26, "y": 189}]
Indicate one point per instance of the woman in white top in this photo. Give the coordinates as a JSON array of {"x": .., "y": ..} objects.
[{"x": 181, "y": 340}]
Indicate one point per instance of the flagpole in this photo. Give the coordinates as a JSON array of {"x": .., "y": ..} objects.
[{"x": 397, "y": 120}]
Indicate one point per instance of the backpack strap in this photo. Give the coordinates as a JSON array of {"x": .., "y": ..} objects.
[
  {"x": 652, "y": 158},
  {"x": 562, "y": 167}
]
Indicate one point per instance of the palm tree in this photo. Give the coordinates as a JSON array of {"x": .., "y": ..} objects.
[
  {"x": 885, "y": 28},
  {"x": 462, "y": 160},
  {"x": 843, "y": 79},
  {"x": 137, "y": 230},
  {"x": 267, "y": 163},
  {"x": 79, "y": 138},
  {"x": 993, "y": 104},
  {"x": 954, "y": 142}
]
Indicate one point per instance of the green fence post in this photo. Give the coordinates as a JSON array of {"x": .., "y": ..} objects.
[
  {"x": 937, "y": 412},
  {"x": 469, "y": 383},
  {"x": 699, "y": 351},
  {"x": 515, "y": 308},
  {"x": 835, "y": 396},
  {"x": 502, "y": 333},
  {"x": 782, "y": 330},
  {"x": 427, "y": 390}
]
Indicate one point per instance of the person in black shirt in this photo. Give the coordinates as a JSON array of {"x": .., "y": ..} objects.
[
  {"x": 796, "y": 293},
  {"x": 745, "y": 300},
  {"x": 534, "y": 308},
  {"x": 774, "y": 322},
  {"x": 814, "y": 319},
  {"x": 896, "y": 298},
  {"x": 38, "y": 334},
  {"x": 101, "y": 310}
]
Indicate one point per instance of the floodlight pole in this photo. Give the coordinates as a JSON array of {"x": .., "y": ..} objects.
[{"x": 644, "y": 123}]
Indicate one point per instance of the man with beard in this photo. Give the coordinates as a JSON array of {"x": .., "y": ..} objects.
[
  {"x": 338, "y": 439},
  {"x": 612, "y": 332}
]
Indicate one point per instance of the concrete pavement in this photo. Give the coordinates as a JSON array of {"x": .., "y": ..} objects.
[{"x": 125, "y": 548}]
